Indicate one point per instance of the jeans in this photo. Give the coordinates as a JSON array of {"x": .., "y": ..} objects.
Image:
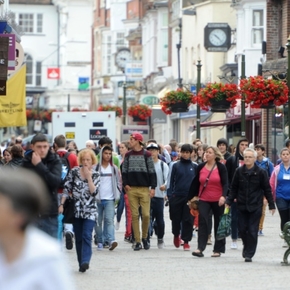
[
  {"x": 83, "y": 229},
  {"x": 157, "y": 208},
  {"x": 283, "y": 207},
  {"x": 120, "y": 207},
  {"x": 106, "y": 212},
  {"x": 49, "y": 225},
  {"x": 248, "y": 229}
]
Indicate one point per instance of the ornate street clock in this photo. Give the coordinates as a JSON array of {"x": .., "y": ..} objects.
[
  {"x": 217, "y": 37},
  {"x": 123, "y": 56}
]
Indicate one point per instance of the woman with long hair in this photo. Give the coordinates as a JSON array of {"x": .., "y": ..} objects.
[{"x": 211, "y": 185}]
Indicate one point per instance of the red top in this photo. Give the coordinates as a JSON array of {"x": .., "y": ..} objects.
[
  {"x": 213, "y": 190},
  {"x": 72, "y": 159}
]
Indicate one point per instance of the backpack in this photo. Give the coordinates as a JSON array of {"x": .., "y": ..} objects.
[{"x": 65, "y": 168}]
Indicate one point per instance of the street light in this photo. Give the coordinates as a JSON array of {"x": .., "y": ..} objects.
[
  {"x": 243, "y": 107},
  {"x": 178, "y": 46},
  {"x": 124, "y": 102},
  {"x": 198, "y": 85},
  {"x": 288, "y": 82}
]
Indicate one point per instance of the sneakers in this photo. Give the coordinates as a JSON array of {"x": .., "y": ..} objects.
[
  {"x": 117, "y": 226},
  {"x": 100, "y": 247},
  {"x": 84, "y": 267},
  {"x": 146, "y": 244},
  {"x": 247, "y": 259},
  {"x": 176, "y": 241},
  {"x": 160, "y": 244},
  {"x": 209, "y": 242},
  {"x": 260, "y": 233},
  {"x": 106, "y": 245},
  {"x": 113, "y": 245},
  {"x": 69, "y": 240},
  {"x": 137, "y": 247},
  {"x": 186, "y": 247},
  {"x": 234, "y": 245},
  {"x": 128, "y": 239}
]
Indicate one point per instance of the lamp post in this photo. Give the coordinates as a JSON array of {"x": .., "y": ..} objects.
[
  {"x": 288, "y": 82},
  {"x": 243, "y": 107},
  {"x": 124, "y": 102},
  {"x": 178, "y": 46},
  {"x": 198, "y": 85}
]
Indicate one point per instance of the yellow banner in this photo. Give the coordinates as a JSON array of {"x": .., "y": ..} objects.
[{"x": 13, "y": 105}]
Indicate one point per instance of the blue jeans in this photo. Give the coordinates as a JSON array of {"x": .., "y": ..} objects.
[
  {"x": 157, "y": 209},
  {"x": 120, "y": 207},
  {"x": 83, "y": 229},
  {"x": 49, "y": 225},
  {"x": 106, "y": 211}
]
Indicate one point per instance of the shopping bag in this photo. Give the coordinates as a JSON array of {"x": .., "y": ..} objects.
[{"x": 224, "y": 228}]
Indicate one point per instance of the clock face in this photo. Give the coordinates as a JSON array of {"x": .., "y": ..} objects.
[
  {"x": 122, "y": 57},
  {"x": 217, "y": 37}
]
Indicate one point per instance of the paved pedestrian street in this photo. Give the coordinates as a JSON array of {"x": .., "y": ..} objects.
[{"x": 172, "y": 268}]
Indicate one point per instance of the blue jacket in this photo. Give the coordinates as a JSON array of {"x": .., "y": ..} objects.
[
  {"x": 267, "y": 165},
  {"x": 182, "y": 174}
]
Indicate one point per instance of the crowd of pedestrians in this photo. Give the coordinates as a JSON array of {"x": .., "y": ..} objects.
[{"x": 142, "y": 178}]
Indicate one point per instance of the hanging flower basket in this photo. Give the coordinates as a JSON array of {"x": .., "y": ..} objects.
[
  {"x": 143, "y": 112},
  {"x": 137, "y": 119},
  {"x": 117, "y": 109},
  {"x": 176, "y": 101},
  {"x": 264, "y": 93},
  {"x": 218, "y": 97}
]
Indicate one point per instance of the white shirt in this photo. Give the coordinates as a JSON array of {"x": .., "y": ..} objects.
[
  {"x": 106, "y": 187},
  {"x": 41, "y": 265}
]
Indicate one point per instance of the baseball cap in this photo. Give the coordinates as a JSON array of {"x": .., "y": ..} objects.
[
  {"x": 152, "y": 146},
  {"x": 137, "y": 136}
]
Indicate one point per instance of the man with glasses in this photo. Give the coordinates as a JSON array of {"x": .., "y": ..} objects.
[
  {"x": 138, "y": 174},
  {"x": 181, "y": 176},
  {"x": 249, "y": 186}
]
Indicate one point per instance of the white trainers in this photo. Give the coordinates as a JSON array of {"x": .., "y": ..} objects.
[
  {"x": 234, "y": 245},
  {"x": 100, "y": 247},
  {"x": 117, "y": 226},
  {"x": 160, "y": 244}
]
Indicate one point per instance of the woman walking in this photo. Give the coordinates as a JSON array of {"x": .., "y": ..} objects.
[
  {"x": 83, "y": 183},
  {"x": 211, "y": 185}
]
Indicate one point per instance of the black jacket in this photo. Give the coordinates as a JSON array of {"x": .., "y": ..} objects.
[
  {"x": 49, "y": 170},
  {"x": 194, "y": 188},
  {"x": 249, "y": 188}
]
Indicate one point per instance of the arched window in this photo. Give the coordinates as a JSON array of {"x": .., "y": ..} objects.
[{"x": 29, "y": 69}]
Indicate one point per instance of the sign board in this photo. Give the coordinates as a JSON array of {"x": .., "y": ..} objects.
[
  {"x": 83, "y": 84},
  {"x": 127, "y": 130},
  {"x": 134, "y": 70},
  {"x": 11, "y": 50},
  {"x": 53, "y": 73},
  {"x": 37, "y": 125},
  {"x": 158, "y": 116},
  {"x": 70, "y": 135},
  {"x": 149, "y": 100},
  {"x": 83, "y": 126}
]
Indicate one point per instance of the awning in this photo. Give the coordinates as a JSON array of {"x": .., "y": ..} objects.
[{"x": 230, "y": 121}]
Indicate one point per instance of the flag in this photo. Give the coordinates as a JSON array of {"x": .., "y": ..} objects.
[{"x": 13, "y": 105}]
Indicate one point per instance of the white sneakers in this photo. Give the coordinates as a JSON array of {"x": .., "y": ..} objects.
[
  {"x": 117, "y": 226},
  {"x": 234, "y": 245}
]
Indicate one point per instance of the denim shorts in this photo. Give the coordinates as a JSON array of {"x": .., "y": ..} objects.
[{"x": 282, "y": 204}]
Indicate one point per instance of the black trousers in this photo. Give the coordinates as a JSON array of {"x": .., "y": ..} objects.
[
  {"x": 181, "y": 219},
  {"x": 248, "y": 224},
  {"x": 203, "y": 225}
]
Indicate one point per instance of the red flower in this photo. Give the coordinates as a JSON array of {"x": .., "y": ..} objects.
[
  {"x": 117, "y": 109},
  {"x": 139, "y": 110},
  {"x": 262, "y": 92},
  {"x": 217, "y": 91}
]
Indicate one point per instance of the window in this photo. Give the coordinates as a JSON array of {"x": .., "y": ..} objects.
[
  {"x": 29, "y": 69},
  {"x": 31, "y": 23},
  {"x": 38, "y": 74},
  {"x": 120, "y": 40},
  {"x": 257, "y": 27}
]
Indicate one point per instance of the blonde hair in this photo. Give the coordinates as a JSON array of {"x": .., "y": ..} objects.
[
  {"x": 217, "y": 153},
  {"x": 87, "y": 151}
]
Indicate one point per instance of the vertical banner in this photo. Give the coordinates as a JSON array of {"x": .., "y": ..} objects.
[
  {"x": 4, "y": 46},
  {"x": 13, "y": 105}
]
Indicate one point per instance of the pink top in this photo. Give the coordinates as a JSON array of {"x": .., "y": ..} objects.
[{"x": 213, "y": 190}]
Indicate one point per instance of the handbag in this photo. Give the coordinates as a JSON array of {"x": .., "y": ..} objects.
[
  {"x": 195, "y": 200},
  {"x": 68, "y": 211}
]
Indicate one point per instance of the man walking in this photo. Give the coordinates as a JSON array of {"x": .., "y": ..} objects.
[
  {"x": 249, "y": 186},
  {"x": 47, "y": 165},
  {"x": 138, "y": 173}
]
